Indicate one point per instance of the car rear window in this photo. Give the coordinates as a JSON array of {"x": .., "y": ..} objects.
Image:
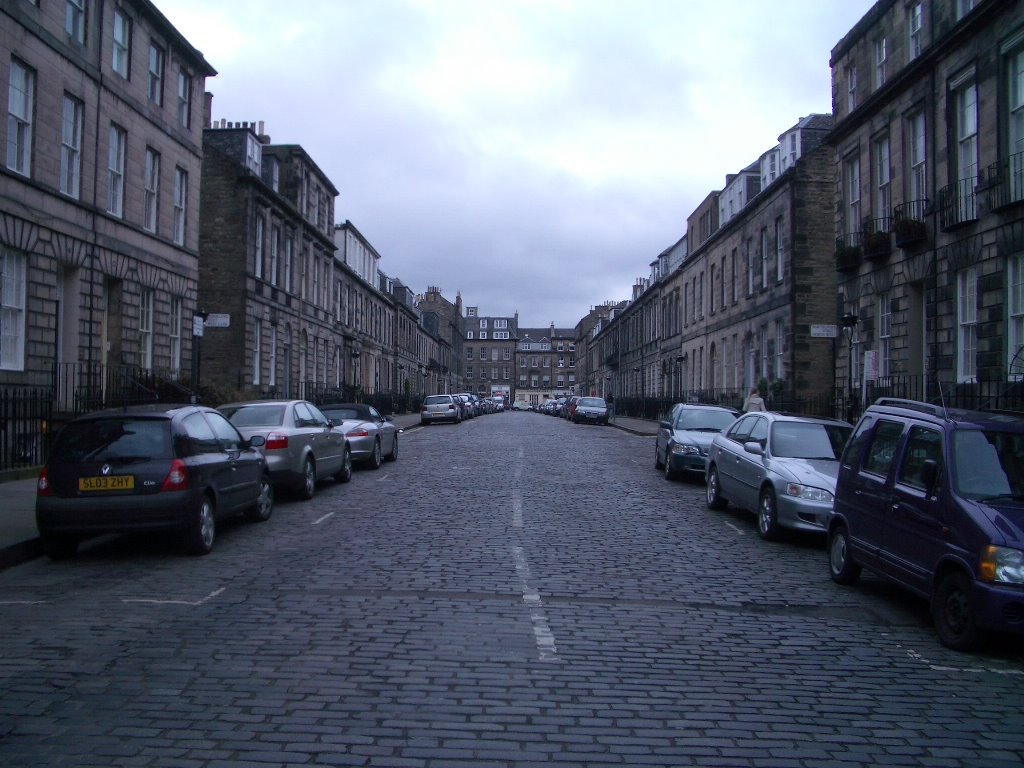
[
  {"x": 341, "y": 413},
  {"x": 437, "y": 399},
  {"x": 255, "y": 415},
  {"x": 113, "y": 439}
]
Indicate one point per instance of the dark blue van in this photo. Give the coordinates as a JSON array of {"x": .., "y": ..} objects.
[{"x": 933, "y": 499}]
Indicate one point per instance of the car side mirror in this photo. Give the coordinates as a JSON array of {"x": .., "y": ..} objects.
[
  {"x": 754, "y": 447},
  {"x": 388, "y": 418},
  {"x": 930, "y": 475},
  {"x": 665, "y": 425},
  {"x": 256, "y": 441}
]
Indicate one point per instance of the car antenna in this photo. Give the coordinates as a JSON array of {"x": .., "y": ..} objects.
[{"x": 942, "y": 398}]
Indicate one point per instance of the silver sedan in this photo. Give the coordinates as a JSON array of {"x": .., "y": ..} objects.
[
  {"x": 300, "y": 445},
  {"x": 781, "y": 467},
  {"x": 372, "y": 436}
]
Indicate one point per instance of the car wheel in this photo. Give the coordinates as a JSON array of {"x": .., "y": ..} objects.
[
  {"x": 424, "y": 423},
  {"x": 57, "y": 547},
  {"x": 841, "y": 566},
  {"x": 714, "y": 495},
  {"x": 308, "y": 486},
  {"x": 953, "y": 613},
  {"x": 768, "y": 516},
  {"x": 202, "y": 530},
  {"x": 657, "y": 457},
  {"x": 344, "y": 474},
  {"x": 260, "y": 511},
  {"x": 393, "y": 456},
  {"x": 375, "y": 459}
]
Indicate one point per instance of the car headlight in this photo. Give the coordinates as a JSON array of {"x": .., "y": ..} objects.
[
  {"x": 808, "y": 492},
  {"x": 684, "y": 449},
  {"x": 1002, "y": 564}
]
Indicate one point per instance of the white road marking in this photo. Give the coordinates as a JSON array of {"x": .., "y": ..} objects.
[
  {"x": 517, "y": 510},
  {"x": 173, "y": 602},
  {"x": 738, "y": 530},
  {"x": 542, "y": 634},
  {"x": 321, "y": 519}
]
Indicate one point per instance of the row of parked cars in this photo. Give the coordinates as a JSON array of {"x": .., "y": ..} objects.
[
  {"x": 928, "y": 497},
  {"x": 458, "y": 407},
  {"x": 577, "y": 409},
  {"x": 184, "y": 467}
]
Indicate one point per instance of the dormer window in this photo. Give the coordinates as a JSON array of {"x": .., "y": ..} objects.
[{"x": 253, "y": 154}]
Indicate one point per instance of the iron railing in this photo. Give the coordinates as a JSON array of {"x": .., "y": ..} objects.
[
  {"x": 25, "y": 415},
  {"x": 958, "y": 203}
]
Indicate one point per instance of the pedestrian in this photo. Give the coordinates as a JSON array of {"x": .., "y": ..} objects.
[
  {"x": 610, "y": 400},
  {"x": 754, "y": 401}
]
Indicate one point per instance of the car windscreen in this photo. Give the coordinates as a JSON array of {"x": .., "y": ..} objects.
[
  {"x": 592, "y": 402},
  {"x": 704, "y": 420},
  {"x": 255, "y": 415},
  {"x": 796, "y": 440},
  {"x": 988, "y": 464},
  {"x": 113, "y": 440}
]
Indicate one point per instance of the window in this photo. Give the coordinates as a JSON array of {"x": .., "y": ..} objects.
[
  {"x": 289, "y": 245},
  {"x": 883, "y": 179},
  {"x": 483, "y": 353},
  {"x": 851, "y": 87},
  {"x": 780, "y": 373},
  {"x": 21, "y": 97},
  {"x": 275, "y": 251},
  {"x": 115, "y": 171},
  {"x": 120, "y": 56},
  {"x": 780, "y": 256},
  {"x": 469, "y": 353},
  {"x": 506, "y": 354},
  {"x": 146, "y": 329},
  {"x": 883, "y": 447},
  {"x": 764, "y": 257},
  {"x": 732, "y": 277},
  {"x": 851, "y": 188},
  {"x": 483, "y": 322},
  {"x": 184, "y": 98},
  {"x": 74, "y": 20},
  {"x": 156, "y": 73},
  {"x": 469, "y": 335},
  {"x": 880, "y": 62},
  {"x": 751, "y": 269},
  {"x": 174, "y": 334},
  {"x": 966, "y": 101},
  {"x": 967, "y": 318},
  {"x": 258, "y": 247},
  {"x": 253, "y": 155},
  {"x": 1015, "y": 312},
  {"x": 275, "y": 174},
  {"x": 501, "y": 323},
  {"x": 180, "y": 201},
  {"x": 914, "y": 25},
  {"x": 884, "y": 334},
  {"x": 150, "y": 192},
  {"x": 963, "y": 7},
  {"x": 12, "y": 309},
  {"x": 922, "y": 445},
  {"x": 918, "y": 175},
  {"x": 711, "y": 289},
  {"x": 483, "y": 334},
  {"x": 71, "y": 147},
  {"x": 469, "y": 371}
]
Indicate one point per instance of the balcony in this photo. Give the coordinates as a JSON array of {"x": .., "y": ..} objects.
[
  {"x": 908, "y": 223},
  {"x": 848, "y": 251},
  {"x": 877, "y": 242},
  {"x": 1003, "y": 184},
  {"x": 958, "y": 203}
]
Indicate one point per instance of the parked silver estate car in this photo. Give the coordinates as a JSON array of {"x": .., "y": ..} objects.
[
  {"x": 300, "y": 447},
  {"x": 372, "y": 436},
  {"x": 441, "y": 408},
  {"x": 591, "y": 409},
  {"x": 684, "y": 438},
  {"x": 783, "y": 467}
]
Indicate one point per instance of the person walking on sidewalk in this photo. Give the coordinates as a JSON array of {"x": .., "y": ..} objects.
[
  {"x": 610, "y": 400},
  {"x": 754, "y": 401}
]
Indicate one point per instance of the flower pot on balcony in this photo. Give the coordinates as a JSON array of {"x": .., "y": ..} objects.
[
  {"x": 909, "y": 232},
  {"x": 847, "y": 257},
  {"x": 877, "y": 245}
]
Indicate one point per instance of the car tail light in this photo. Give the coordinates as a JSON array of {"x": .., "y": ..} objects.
[
  {"x": 276, "y": 442},
  {"x": 43, "y": 487},
  {"x": 177, "y": 478},
  {"x": 358, "y": 433},
  {"x": 423, "y": 408}
]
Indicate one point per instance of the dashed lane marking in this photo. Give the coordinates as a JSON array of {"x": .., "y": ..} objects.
[{"x": 155, "y": 601}]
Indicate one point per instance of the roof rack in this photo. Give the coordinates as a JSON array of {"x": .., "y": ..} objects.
[{"x": 914, "y": 405}]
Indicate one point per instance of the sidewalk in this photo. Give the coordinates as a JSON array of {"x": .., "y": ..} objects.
[{"x": 19, "y": 537}]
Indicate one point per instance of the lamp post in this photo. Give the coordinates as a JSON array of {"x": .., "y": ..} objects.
[
  {"x": 849, "y": 323},
  {"x": 639, "y": 369},
  {"x": 679, "y": 363}
]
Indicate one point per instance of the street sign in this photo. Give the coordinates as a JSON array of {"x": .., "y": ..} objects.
[
  {"x": 197, "y": 325},
  {"x": 218, "y": 321},
  {"x": 824, "y": 331}
]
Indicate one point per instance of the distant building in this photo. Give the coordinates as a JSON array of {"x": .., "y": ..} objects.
[
  {"x": 490, "y": 347},
  {"x": 546, "y": 362}
]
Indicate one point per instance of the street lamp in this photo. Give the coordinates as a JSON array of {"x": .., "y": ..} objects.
[
  {"x": 849, "y": 323},
  {"x": 679, "y": 362}
]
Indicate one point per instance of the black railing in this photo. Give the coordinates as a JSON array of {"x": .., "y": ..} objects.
[
  {"x": 1004, "y": 181},
  {"x": 908, "y": 223},
  {"x": 84, "y": 387},
  {"x": 877, "y": 243},
  {"x": 958, "y": 203},
  {"x": 848, "y": 251},
  {"x": 25, "y": 415}
]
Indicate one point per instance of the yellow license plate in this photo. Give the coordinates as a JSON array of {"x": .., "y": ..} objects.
[{"x": 107, "y": 483}]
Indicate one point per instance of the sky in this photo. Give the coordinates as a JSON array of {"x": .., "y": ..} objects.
[{"x": 534, "y": 156}]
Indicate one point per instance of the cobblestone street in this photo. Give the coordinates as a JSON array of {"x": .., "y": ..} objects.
[{"x": 513, "y": 591}]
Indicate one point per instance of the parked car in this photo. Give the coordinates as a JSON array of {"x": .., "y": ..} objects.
[
  {"x": 590, "y": 410},
  {"x": 155, "y": 467},
  {"x": 569, "y": 407},
  {"x": 933, "y": 500},
  {"x": 521, "y": 405},
  {"x": 372, "y": 437},
  {"x": 684, "y": 438},
  {"x": 441, "y": 408},
  {"x": 300, "y": 445},
  {"x": 783, "y": 468}
]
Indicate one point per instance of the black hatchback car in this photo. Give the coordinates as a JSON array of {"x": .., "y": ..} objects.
[{"x": 155, "y": 467}]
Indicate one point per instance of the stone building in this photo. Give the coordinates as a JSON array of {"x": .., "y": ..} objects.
[
  {"x": 546, "y": 363},
  {"x": 443, "y": 318},
  {"x": 490, "y": 347},
  {"x": 928, "y": 145},
  {"x": 99, "y": 200}
]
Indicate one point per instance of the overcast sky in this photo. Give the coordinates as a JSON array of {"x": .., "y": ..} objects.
[{"x": 534, "y": 155}]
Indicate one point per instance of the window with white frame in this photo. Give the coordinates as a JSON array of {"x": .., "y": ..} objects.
[
  {"x": 275, "y": 253},
  {"x": 74, "y": 20},
  {"x": 156, "y": 73},
  {"x": 751, "y": 269},
  {"x": 470, "y": 335},
  {"x": 115, "y": 171},
  {"x": 915, "y": 25},
  {"x": 966, "y": 100},
  {"x": 1015, "y": 313},
  {"x": 12, "y": 309},
  {"x": 469, "y": 371},
  {"x": 967, "y": 319},
  {"x": 499, "y": 334},
  {"x": 71, "y": 147},
  {"x": 917, "y": 155},
  {"x": 120, "y": 53},
  {"x": 884, "y": 334},
  {"x": 253, "y": 154},
  {"x": 289, "y": 255},
  {"x": 881, "y": 62},
  {"x": 851, "y": 189},
  {"x": 883, "y": 178},
  {"x": 184, "y": 98},
  {"x": 258, "y": 247},
  {"x": 963, "y": 7},
  {"x": 470, "y": 352},
  {"x": 764, "y": 257},
  {"x": 180, "y": 204},
  {"x": 483, "y": 322},
  {"x": 20, "y": 105},
  {"x": 501, "y": 323},
  {"x": 146, "y": 301},
  {"x": 780, "y": 255},
  {"x": 851, "y": 87},
  {"x": 483, "y": 334},
  {"x": 766, "y": 352},
  {"x": 711, "y": 289},
  {"x": 151, "y": 190},
  {"x": 272, "y": 358},
  {"x": 483, "y": 353},
  {"x": 174, "y": 333},
  {"x": 275, "y": 174},
  {"x": 780, "y": 338}
]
